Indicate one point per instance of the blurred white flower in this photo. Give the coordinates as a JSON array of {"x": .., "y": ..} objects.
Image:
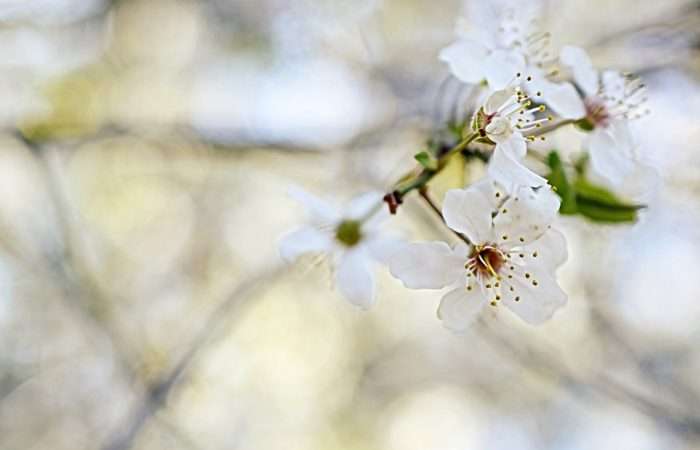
[
  {"x": 516, "y": 47},
  {"x": 351, "y": 238},
  {"x": 609, "y": 96},
  {"x": 503, "y": 119},
  {"x": 611, "y": 99},
  {"x": 512, "y": 259}
]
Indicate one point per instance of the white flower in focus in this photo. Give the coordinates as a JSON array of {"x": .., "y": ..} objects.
[
  {"x": 512, "y": 259},
  {"x": 611, "y": 100},
  {"x": 351, "y": 238},
  {"x": 503, "y": 119},
  {"x": 515, "y": 47}
]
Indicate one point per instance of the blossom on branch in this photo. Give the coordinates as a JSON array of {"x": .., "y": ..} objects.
[
  {"x": 503, "y": 119},
  {"x": 511, "y": 260},
  {"x": 610, "y": 100},
  {"x": 351, "y": 238},
  {"x": 516, "y": 46}
]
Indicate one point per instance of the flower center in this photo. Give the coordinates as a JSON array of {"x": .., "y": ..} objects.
[
  {"x": 349, "y": 232},
  {"x": 485, "y": 261},
  {"x": 499, "y": 128},
  {"x": 623, "y": 97},
  {"x": 597, "y": 113},
  {"x": 508, "y": 112}
]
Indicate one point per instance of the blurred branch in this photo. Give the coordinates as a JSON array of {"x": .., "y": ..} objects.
[
  {"x": 547, "y": 364},
  {"x": 69, "y": 264},
  {"x": 67, "y": 267},
  {"x": 158, "y": 392}
]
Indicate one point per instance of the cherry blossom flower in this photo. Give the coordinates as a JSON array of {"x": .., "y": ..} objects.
[
  {"x": 611, "y": 100},
  {"x": 515, "y": 47},
  {"x": 503, "y": 119},
  {"x": 351, "y": 238},
  {"x": 609, "y": 96},
  {"x": 511, "y": 260}
]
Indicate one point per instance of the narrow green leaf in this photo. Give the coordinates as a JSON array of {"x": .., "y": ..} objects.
[
  {"x": 586, "y": 189},
  {"x": 602, "y": 213},
  {"x": 601, "y": 205},
  {"x": 559, "y": 181}
]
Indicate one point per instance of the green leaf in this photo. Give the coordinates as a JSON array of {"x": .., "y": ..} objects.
[
  {"x": 592, "y": 201},
  {"x": 600, "y": 205},
  {"x": 602, "y": 213},
  {"x": 559, "y": 181},
  {"x": 426, "y": 160},
  {"x": 600, "y": 194}
]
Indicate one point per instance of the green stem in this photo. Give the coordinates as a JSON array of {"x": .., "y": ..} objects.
[{"x": 426, "y": 174}]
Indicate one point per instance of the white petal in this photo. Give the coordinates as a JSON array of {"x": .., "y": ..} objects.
[
  {"x": 492, "y": 190},
  {"x": 497, "y": 99},
  {"x": 611, "y": 151},
  {"x": 640, "y": 183},
  {"x": 319, "y": 209},
  {"x": 461, "y": 250},
  {"x": 355, "y": 279},
  {"x": 606, "y": 155},
  {"x": 363, "y": 204},
  {"x": 565, "y": 100},
  {"x": 426, "y": 265},
  {"x": 613, "y": 158},
  {"x": 538, "y": 296},
  {"x": 383, "y": 248},
  {"x": 459, "y": 308},
  {"x": 525, "y": 216},
  {"x": 550, "y": 250},
  {"x": 501, "y": 67},
  {"x": 507, "y": 170},
  {"x": 465, "y": 59},
  {"x": 515, "y": 146},
  {"x": 468, "y": 211},
  {"x": 303, "y": 240},
  {"x": 584, "y": 73},
  {"x": 500, "y": 130}
]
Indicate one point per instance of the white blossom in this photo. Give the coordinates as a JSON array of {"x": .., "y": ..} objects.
[
  {"x": 351, "y": 238},
  {"x": 515, "y": 47},
  {"x": 610, "y": 100},
  {"x": 511, "y": 260},
  {"x": 503, "y": 119},
  {"x": 609, "y": 96}
]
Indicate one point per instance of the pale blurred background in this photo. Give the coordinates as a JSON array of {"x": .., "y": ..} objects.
[{"x": 146, "y": 150}]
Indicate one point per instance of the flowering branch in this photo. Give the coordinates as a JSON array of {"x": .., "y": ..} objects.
[
  {"x": 506, "y": 219},
  {"x": 395, "y": 197}
]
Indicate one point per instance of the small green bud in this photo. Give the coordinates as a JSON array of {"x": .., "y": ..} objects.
[
  {"x": 479, "y": 120},
  {"x": 349, "y": 232},
  {"x": 427, "y": 160}
]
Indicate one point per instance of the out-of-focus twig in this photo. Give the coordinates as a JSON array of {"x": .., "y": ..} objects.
[{"x": 158, "y": 392}]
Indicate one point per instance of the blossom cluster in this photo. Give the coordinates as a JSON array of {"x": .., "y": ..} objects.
[{"x": 507, "y": 252}]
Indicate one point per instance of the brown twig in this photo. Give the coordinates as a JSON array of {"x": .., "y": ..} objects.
[{"x": 434, "y": 207}]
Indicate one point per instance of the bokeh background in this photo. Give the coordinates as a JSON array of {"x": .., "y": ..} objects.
[{"x": 145, "y": 152}]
